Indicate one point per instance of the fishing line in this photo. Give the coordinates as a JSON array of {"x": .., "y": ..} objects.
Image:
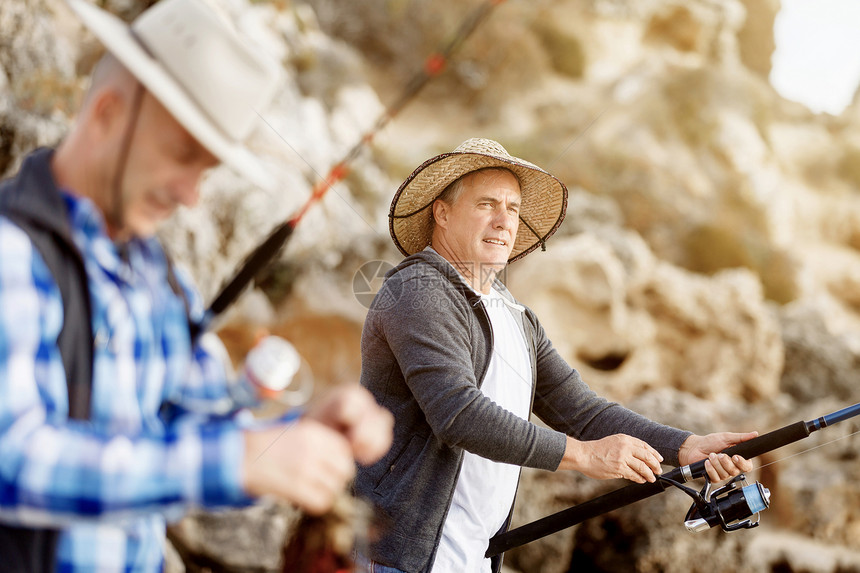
[
  {"x": 268, "y": 250},
  {"x": 729, "y": 506},
  {"x": 329, "y": 187},
  {"x": 808, "y": 450},
  {"x": 578, "y": 137}
]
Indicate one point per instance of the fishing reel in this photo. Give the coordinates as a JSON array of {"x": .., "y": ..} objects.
[{"x": 730, "y": 506}]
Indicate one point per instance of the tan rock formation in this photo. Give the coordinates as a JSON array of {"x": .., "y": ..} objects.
[
  {"x": 655, "y": 326},
  {"x": 707, "y": 274},
  {"x": 756, "y": 36}
]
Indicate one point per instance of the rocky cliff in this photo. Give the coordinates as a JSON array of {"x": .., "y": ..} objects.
[{"x": 707, "y": 274}]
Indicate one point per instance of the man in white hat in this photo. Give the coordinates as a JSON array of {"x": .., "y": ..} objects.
[
  {"x": 462, "y": 365},
  {"x": 107, "y": 406}
]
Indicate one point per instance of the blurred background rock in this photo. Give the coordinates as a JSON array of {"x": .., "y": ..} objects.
[{"x": 707, "y": 274}]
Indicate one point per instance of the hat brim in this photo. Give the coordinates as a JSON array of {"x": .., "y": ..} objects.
[
  {"x": 118, "y": 39},
  {"x": 542, "y": 209}
]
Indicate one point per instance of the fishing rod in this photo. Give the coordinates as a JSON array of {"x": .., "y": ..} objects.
[
  {"x": 730, "y": 507},
  {"x": 268, "y": 250}
]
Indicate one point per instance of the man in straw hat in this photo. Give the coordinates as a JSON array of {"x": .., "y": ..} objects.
[
  {"x": 177, "y": 93},
  {"x": 462, "y": 365}
]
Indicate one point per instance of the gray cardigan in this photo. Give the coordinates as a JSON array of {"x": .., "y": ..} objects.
[{"x": 425, "y": 349}]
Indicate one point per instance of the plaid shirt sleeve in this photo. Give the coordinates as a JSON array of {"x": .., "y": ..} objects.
[
  {"x": 203, "y": 388},
  {"x": 53, "y": 470}
]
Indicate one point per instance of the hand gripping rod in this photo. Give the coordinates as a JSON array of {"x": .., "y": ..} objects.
[{"x": 633, "y": 493}]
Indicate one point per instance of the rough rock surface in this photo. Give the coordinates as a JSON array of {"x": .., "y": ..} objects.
[
  {"x": 707, "y": 275},
  {"x": 652, "y": 324}
]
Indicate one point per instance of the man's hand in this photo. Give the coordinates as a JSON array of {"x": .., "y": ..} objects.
[
  {"x": 718, "y": 466},
  {"x": 616, "y": 456},
  {"x": 366, "y": 425},
  {"x": 310, "y": 462},
  {"x": 305, "y": 463}
]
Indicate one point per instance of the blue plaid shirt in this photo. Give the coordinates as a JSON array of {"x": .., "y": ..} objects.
[{"x": 113, "y": 481}]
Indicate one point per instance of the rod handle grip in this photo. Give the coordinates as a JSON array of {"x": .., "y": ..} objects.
[{"x": 761, "y": 444}]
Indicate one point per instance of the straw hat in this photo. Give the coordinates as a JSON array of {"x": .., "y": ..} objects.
[
  {"x": 544, "y": 197},
  {"x": 194, "y": 63}
]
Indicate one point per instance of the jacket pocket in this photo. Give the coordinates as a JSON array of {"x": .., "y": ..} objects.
[{"x": 399, "y": 465}]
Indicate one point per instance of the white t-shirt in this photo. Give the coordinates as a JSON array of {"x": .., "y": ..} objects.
[{"x": 485, "y": 489}]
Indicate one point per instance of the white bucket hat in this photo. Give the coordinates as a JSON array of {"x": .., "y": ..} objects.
[
  {"x": 542, "y": 209},
  {"x": 194, "y": 63}
]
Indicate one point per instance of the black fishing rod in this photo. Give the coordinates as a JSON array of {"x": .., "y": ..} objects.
[
  {"x": 267, "y": 251},
  {"x": 729, "y": 507}
]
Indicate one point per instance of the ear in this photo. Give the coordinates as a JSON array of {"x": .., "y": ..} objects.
[
  {"x": 107, "y": 113},
  {"x": 440, "y": 212}
]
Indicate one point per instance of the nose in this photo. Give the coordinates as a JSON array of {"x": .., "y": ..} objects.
[
  {"x": 505, "y": 219},
  {"x": 187, "y": 189}
]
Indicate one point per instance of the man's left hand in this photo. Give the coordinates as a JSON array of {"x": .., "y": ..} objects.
[
  {"x": 352, "y": 410},
  {"x": 718, "y": 466}
]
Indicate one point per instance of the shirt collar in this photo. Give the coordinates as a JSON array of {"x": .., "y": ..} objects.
[{"x": 89, "y": 232}]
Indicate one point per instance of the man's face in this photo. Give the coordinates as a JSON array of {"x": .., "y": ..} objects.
[
  {"x": 480, "y": 228},
  {"x": 163, "y": 171}
]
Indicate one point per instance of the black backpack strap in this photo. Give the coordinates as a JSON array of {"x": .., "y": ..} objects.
[
  {"x": 30, "y": 550},
  {"x": 76, "y": 337},
  {"x": 32, "y": 202}
]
